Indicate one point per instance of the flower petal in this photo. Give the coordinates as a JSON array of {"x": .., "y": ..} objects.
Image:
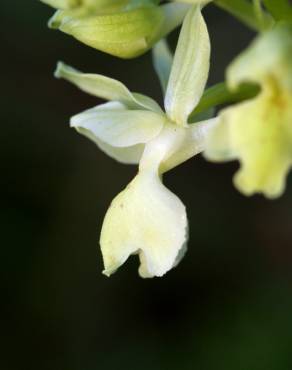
[
  {"x": 126, "y": 155},
  {"x": 258, "y": 65},
  {"x": 148, "y": 219},
  {"x": 263, "y": 146},
  {"x": 190, "y": 68},
  {"x": 114, "y": 125},
  {"x": 128, "y": 32},
  {"x": 61, "y": 4},
  {"x": 105, "y": 88},
  {"x": 194, "y": 2},
  {"x": 123, "y": 28},
  {"x": 61, "y": 15},
  {"x": 162, "y": 61}
]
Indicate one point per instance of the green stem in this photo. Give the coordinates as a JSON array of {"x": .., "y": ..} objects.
[
  {"x": 257, "y": 4},
  {"x": 219, "y": 94},
  {"x": 245, "y": 12},
  {"x": 280, "y": 9}
]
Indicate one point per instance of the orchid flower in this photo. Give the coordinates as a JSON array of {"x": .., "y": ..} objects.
[
  {"x": 146, "y": 218},
  {"x": 258, "y": 132},
  {"x": 123, "y": 28}
]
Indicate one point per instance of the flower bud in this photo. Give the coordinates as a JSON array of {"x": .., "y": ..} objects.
[{"x": 123, "y": 28}]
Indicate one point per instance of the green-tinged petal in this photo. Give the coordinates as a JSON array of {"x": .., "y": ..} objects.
[
  {"x": 126, "y": 33},
  {"x": 105, "y": 88},
  {"x": 119, "y": 127},
  {"x": 136, "y": 3},
  {"x": 190, "y": 68},
  {"x": 146, "y": 218},
  {"x": 162, "y": 62},
  {"x": 90, "y": 4},
  {"x": 61, "y": 16},
  {"x": 105, "y": 4},
  {"x": 61, "y": 4},
  {"x": 194, "y": 2},
  {"x": 259, "y": 132},
  {"x": 124, "y": 28}
]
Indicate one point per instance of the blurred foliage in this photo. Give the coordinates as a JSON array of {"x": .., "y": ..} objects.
[{"x": 226, "y": 306}]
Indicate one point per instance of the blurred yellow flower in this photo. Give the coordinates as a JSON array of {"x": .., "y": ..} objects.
[{"x": 258, "y": 132}]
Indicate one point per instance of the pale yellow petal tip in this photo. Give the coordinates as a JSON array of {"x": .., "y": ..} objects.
[
  {"x": 59, "y": 69},
  {"x": 148, "y": 268},
  {"x": 65, "y": 71},
  {"x": 108, "y": 273},
  {"x": 147, "y": 271},
  {"x": 142, "y": 271},
  {"x": 190, "y": 68},
  {"x": 53, "y": 22},
  {"x": 111, "y": 263},
  {"x": 144, "y": 274},
  {"x": 248, "y": 184}
]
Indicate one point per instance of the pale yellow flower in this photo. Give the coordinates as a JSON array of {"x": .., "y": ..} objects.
[
  {"x": 258, "y": 132},
  {"x": 146, "y": 218}
]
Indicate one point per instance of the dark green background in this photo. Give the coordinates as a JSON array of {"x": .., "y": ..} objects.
[{"x": 227, "y": 306}]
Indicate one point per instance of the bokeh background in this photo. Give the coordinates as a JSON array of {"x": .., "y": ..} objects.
[{"x": 228, "y": 305}]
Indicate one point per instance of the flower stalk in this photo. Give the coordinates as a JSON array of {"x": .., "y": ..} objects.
[
  {"x": 245, "y": 12},
  {"x": 220, "y": 94},
  {"x": 281, "y": 10}
]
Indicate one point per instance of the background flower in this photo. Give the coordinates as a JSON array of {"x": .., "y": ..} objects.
[{"x": 259, "y": 132}]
